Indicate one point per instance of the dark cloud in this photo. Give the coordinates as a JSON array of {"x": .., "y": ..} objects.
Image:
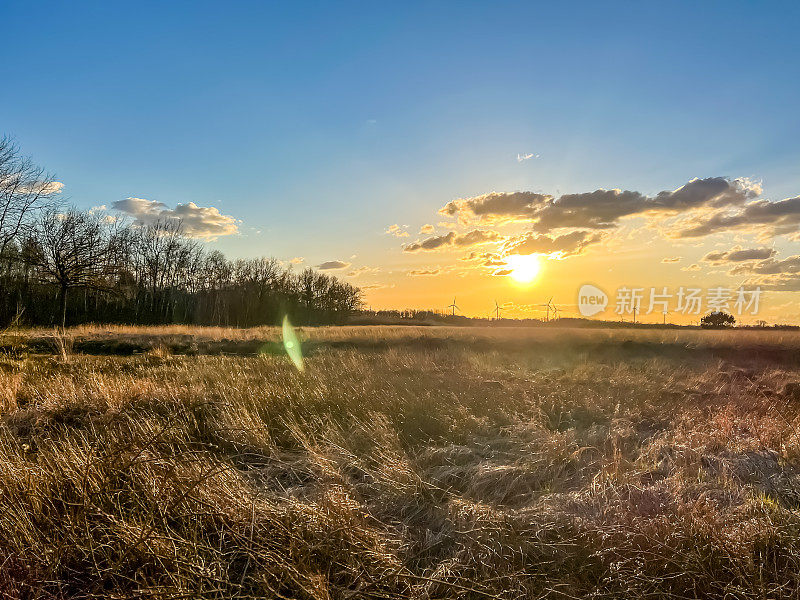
[
  {"x": 333, "y": 264},
  {"x": 197, "y": 221},
  {"x": 431, "y": 243},
  {"x": 712, "y": 191},
  {"x": 600, "y": 209},
  {"x": 772, "y": 274},
  {"x": 567, "y": 244},
  {"x": 497, "y": 206},
  {"x": 783, "y": 282},
  {"x": 781, "y": 217},
  {"x": 739, "y": 254},
  {"x": 771, "y": 266},
  {"x": 471, "y": 238}
]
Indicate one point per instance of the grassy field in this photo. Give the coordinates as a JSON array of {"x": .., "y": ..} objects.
[{"x": 402, "y": 462}]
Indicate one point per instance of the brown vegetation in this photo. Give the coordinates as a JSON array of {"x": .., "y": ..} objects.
[{"x": 403, "y": 462}]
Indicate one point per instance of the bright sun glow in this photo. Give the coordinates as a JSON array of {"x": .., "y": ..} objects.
[{"x": 524, "y": 269}]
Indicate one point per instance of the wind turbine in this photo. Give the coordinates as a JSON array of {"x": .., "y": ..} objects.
[
  {"x": 549, "y": 306},
  {"x": 496, "y": 311},
  {"x": 555, "y": 312},
  {"x": 454, "y": 306}
]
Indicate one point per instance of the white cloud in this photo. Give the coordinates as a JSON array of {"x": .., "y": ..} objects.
[
  {"x": 197, "y": 221},
  {"x": 396, "y": 231}
]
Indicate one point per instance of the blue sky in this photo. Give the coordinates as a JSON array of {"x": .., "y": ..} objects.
[{"x": 320, "y": 124}]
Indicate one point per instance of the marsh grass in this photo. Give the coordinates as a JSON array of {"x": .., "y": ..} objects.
[{"x": 401, "y": 464}]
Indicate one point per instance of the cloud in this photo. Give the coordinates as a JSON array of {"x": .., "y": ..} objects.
[
  {"x": 426, "y": 229},
  {"x": 566, "y": 245},
  {"x": 671, "y": 259},
  {"x": 712, "y": 191},
  {"x": 17, "y": 185},
  {"x": 471, "y": 238},
  {"x": 779, "y": 217},
  {"x": 357, "y": 272},
  {"x": 297, "y": 260},
  {"x": 47, "y": 188},
  {"x": 770, "y": 266},
  {"x": 692, "y": 267},
  {"x": 739, "y": 254},
  {"x": 600, "y": 209},
  {"x": 396, "y": 231},
  {"x": 772, "y": 273},
  {"x": 497, "y": 206},
  {"x": 333, "y": 264},
  {"x": 447, "y": 225},
  {"x": 502, "y": 272},
  {"x": 783, "y": 282},
  {"x": 423, "y": 272},
  {"x": 197, "y": 221},
  {"x": 524, "y": 157},
  {"x": 480, "y": 256}
]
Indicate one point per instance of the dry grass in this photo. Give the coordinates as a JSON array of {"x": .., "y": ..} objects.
[
  {"x": 402, "y": 463},
  {"x": 782, "y": 338}
]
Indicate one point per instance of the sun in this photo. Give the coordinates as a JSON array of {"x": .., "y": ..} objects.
[{"x": 524, "y": 269}]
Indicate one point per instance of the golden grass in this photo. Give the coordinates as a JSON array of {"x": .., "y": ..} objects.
[
  {"x": 355, "y": 334},
  {"x": 402, "y": 463}
]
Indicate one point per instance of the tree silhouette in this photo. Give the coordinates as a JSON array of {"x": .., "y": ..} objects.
[{"x": 717, "y": 320}]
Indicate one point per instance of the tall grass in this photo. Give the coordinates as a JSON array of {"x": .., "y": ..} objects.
[{"x": 497, "y": 464}]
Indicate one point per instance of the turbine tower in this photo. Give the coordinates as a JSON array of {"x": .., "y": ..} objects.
[
  {"x": 549, "y": 307},
  {"x": 454, "y": 306},
  {"x": 496, "y": 311}
]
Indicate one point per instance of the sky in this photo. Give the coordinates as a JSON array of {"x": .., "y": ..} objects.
[{"x": 623, "y": 145}]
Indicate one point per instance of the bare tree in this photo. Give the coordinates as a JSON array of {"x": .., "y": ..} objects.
[
  {"x": 142, "y": 273},
  {"x": 25, "y": 188},
  {"x": 78, "y": 249}
]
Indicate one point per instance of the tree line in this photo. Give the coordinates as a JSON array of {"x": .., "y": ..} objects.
[{"x": 60, "y": 266}]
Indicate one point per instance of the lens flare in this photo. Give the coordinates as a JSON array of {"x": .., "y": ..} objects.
[
  {"x": 524, "y": 269},
  {"x": 292, "y": 344}
]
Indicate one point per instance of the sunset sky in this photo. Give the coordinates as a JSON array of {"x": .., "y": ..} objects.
[{"x": 412, "y": 148}]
